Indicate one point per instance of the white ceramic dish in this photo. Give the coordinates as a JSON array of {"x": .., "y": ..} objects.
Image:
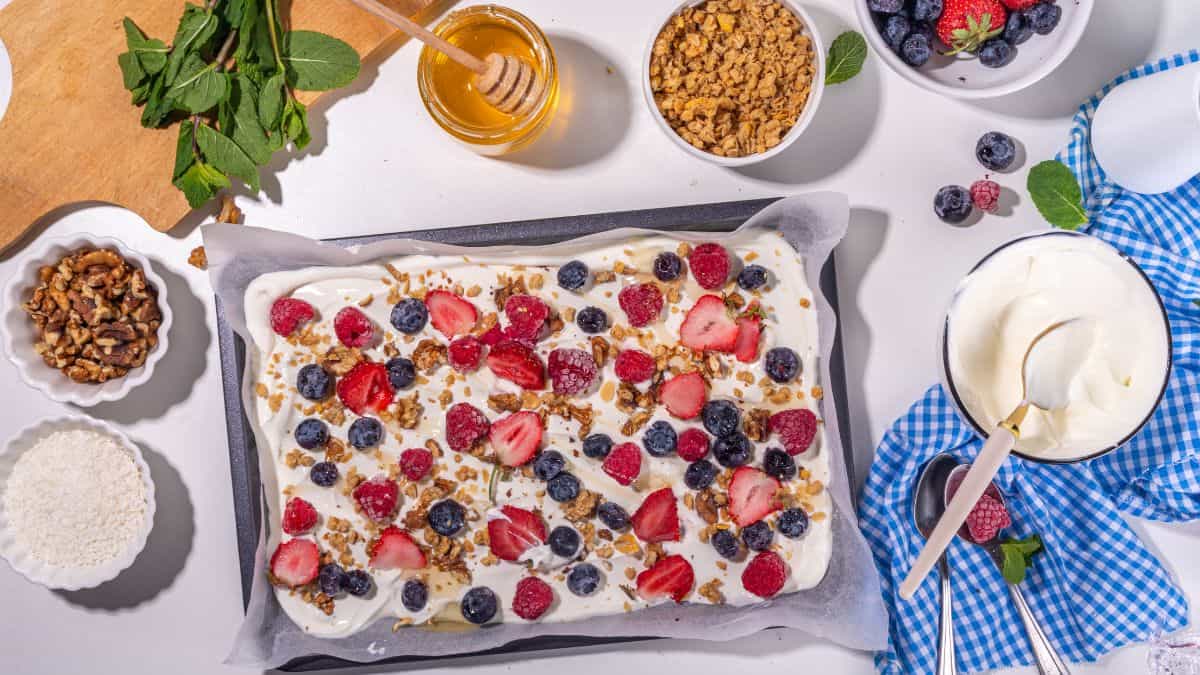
[
  {"x": 19, "y": 330},
  {"x": 964, "y": 77},
  {"x": 806, "y": 115},
  {"x": 41, "y": 572}
]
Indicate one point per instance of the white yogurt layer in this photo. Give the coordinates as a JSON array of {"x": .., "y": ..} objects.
[
  {"x": 791, "y": 321},
  {"x": 1119, "y": 356}
]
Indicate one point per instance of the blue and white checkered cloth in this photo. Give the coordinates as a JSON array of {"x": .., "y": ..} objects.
[{"x": 1096, "y": 587}]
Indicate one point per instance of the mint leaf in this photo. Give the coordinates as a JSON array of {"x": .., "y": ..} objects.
[
  {"x": 244, "y": 128},
  {"x": 200, "y": 182},
  {"x": 185, "y": 154},
  {"x": 132, "y": 73},
  {"x": 270, "y": 102},
  {"x": 195, "y": 30},
  {"x": 316, "y": 62},
  {"x": 226, "y": 156},
  {"x": 1056, "y": 194},
  {"x": 1016, "y": 555},
  {"x": 295, "y": 123},
  {"x": 846, "y": 57},
  {"x": 150, "y": 54}
]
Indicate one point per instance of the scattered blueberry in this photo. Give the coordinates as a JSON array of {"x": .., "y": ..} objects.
[
  {"x": 885, "y": 6},
  {"x": 597, "y": 446},
  {"x": 592, "y": 320},
  {"x": 726, "y": 544},
  {"x": 332, "y": 579},
  {"x": 996, "y": 151},
  {"x": 700, "y": 474},
  {"x": 1017, "y": 29},
  {"x": 313, "y": 382},
  {"x": 563, "y": 488},
  {"x": 916, "y": 50},
  {"x": 414, "y": 595},
  {"x": 732, "y": 451},
  {"x": 667, "y": 266},
  {"x": 479, "y": 605},
  {"x": 752, "y": 277},
  {"x": 613, "y": 516},
  {"x": 365, "y": 432},
  {"x": 311, "y": 433},
  {"x": 1044, "y": 17},
  {"x": 573, "y": 276},
  {"x": 721, "y": 417},
  {"x": 996, "y": 53},
  {"x": 660, "y": 439},
  {"x": 952, "y": 204},
  {"x": 324, "y": 474},
  {"x": 779, "y": 464},
  {"x": 895, "y": 29},
  {"x": 923, "y": 29},
  {"x": 758, "y": 536},
  {"x": 564, "y": 541},
  {"x": 583, "y": 579},
  {"x": 401, "y": 372},
  {"x": 358, "y": 583},
  {"x": 548, "y": 464},
  {"x": 792, "y": 523},
  {"x": 927, "y": 10},
  {"x": 447, "y": 517},
  {"x": 782, "y": 364},
  {"x": 409, "y": 316}
]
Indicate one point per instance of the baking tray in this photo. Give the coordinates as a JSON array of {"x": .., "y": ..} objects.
[{"x": 243, "y": 455}]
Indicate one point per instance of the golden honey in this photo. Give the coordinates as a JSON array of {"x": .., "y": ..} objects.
[{"x": 448, "y": 89}]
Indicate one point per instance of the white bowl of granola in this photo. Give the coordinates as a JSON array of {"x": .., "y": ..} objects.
[
  {"x": 695, "y": 95},
  {"x": 106, "y": 380}
]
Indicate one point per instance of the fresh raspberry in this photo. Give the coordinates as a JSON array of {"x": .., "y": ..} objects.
[
  {"x": 526, "y": 316},
  {"x": 624, "y": 463},
  {"x": 634, "y": 365},
  {"x": 377, "y": 498},
  {"x": 985, "y": 195},
  {"x": 796, "y": 428},
  {"x": 465, "y": 425},
  {"x": 710, "y": 265},
  {"x": 415, "y": 463},
  {"x": 466, "y": 354},
  {"x": 298, "y": 516},
  {"x": 642, "y": 303},
  {"x": 692, "y": 445},
  {"x": 288, "y": 313},
  {"x": 532, "y": 598},
  {"x": 765, "y": 575},
  {"x": 987, "y": 519},
  {"x": 353, "y": 327},
  {"x": 572, "y": 371},
  {"x": 492, "y": 336}
]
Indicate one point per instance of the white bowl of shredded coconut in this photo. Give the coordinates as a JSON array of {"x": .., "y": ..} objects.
[{"x": 76, "y": 503}]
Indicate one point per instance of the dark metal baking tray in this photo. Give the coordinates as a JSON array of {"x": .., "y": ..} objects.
[{"x": 243, "y": 455}]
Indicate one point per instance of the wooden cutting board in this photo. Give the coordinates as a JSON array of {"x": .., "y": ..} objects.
[{"x": 70, "y": 134}]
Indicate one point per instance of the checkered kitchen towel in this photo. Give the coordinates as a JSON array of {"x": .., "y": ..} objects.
[{"x": 1096, "y": 587}]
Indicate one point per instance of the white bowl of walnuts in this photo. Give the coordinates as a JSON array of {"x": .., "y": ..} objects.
[{"x": 734, "y": 82}]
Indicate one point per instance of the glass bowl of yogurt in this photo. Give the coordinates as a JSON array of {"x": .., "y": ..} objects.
[{"x": 1037, "y": 280}]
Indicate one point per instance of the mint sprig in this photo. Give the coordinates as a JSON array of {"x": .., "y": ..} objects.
[
  {"x": 1016, "y": 555},
  {"x": 1056, "y": 195},
  {"x": 846, "y": 57}
]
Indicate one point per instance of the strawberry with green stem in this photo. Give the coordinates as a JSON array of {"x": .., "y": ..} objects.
[{"x": 966, "y": 24}]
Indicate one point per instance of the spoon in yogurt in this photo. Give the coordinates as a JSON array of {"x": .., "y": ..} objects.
[{"x": 1051, "y": 363}]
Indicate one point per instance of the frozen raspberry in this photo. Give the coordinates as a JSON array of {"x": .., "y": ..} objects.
[
  {"x": 377, "y": 498},
  {"x": 526, "y": 316},
  {"x": 710, "y": 265},
  {"x": 572, "y": 371},
  {"x": 415, "y": 463},
  {"x": 465, "y": 425},
  {"x": 642, "y": 303},
  {"x": 288, "y": 313},
  {"x": 987, "y": 519},
  {"x": 532, "y": 598},
  {"x": 634, "y": 365},
  {"x": 765, "y": 575},
  {"x": 298, "y": 516},
  {"x": 985, "y": 195},
  {"x": 692, "y": 445},
  {"x": 466, "y": 354},
  {"x": 796, "y": 428},
  {"x": 353, "y": 327},
  {"x": 624, "y": 463}
]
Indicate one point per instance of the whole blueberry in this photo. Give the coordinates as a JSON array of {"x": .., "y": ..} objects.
[
  {"x": 358, "y": 583},
  {"x": 409, "y": 316},
  {"x": 792, "y": 523},
  {"x": 564, "y": 541},
  {"x": 924, "y": 29},
  {"x": 721, "y": 417},
  {"x": 583, "y": 579},
  {"x": 996, "y": 151},
  {"x": 613, "y": 516},
  {"x": 895, "y": 29},
  {"x": 758, "y": 536},
  {"x": 782, "y": 364},
  {"x": 414, "y": 595},
  {"x": 324, "y": 474},
  {"x": 591, "y": 320},
  {"x": 952, "y": 204},
  {"x": 752, "y": 277},
  {"x": 700, "y": 474},
  {"x": 311, "y": 433},
  {"x": 573, "y": 276},
  {"x": 563, "y": 488},
  {"x": 401, "y": 372},
  {"x": 927, "y": 10},
  {"x": 916, "y": 50},
  {"x": 479, "y": 605},
  {"x": 365, "y": 432},
  {"x": 779, "y": 464},
  {"x": 313, "y": 382},
  {"x": 996, "y": 53},
  {"x": 447, "y": 517},
  {"x": 660, "y": 439},
  {"x": 726, "y": 544},
  {"x": 667, "y": 266},
  {"x": 1044, "y": 17},
  {"x": 733, "y": 450},
  {"x": 548, "y": 464},
  {"x": 332, "y": 579},
  {"x": 597, "y": 446},
  {"x": 1017, "y": 29},
  {"x": 885, "y": 6}
]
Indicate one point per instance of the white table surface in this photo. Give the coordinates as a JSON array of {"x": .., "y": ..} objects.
[{"x": 378, "y": 164}]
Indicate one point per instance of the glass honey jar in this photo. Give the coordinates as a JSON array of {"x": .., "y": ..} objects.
[{"x": 448, "y": 88}]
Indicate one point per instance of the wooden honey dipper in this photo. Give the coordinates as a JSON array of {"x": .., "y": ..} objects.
[{"x": 508, "y": 83}]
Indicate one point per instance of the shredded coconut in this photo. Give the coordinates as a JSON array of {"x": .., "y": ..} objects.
[{"x": 75, "y": 499}]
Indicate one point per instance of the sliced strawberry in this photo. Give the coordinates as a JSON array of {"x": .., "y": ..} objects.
[
  {"x": 395, "y": 549},
  {"x": 796, "y": 429},
  {"x": 572, "y": 371},
  {"x": 526, "y": 316},
  {"x": 657, "y": 519},
  {"x": 378, "y": 498},
  {"x": 634, "y": 365},
  {"x": 624, "y": 463},
  {"x": 692, "y": 445},
  {"x": 365, "y": 388},
  {"x": 465, "y": 354},
  {"x": 532, "y": 598},
  {"x": 514, "y": 532},
  {"x": 684, "y": 395},
  {"x": 516, "y": 438},
  {"x": 745, "y": 348},
  {"x": 765, "y": 575},
  {"x": 671, "y": 577},
  {"x": 492, "y": 336},
  {"x": 752, "y": 495},
  {"x": 642, "y": 304},
  {"x": 415, "y": 463},
  {"x": 510, "y": 360},
  {"x": 708, "y": 326},
  {"x": 298, "y": 516},
  {"x": 295, "y": 562},
  {"x": 710, "y": 265},
  {"x": 450, "y": 314},
  {"x": 288, "y": 313},
  {"x": 352, "y": 327},
  {"x": 465, "y": 425}
]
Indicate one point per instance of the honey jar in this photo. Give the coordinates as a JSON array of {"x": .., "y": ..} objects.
[{"x": 448, "y": 88}]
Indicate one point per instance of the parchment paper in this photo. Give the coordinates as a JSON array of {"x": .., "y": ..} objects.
[{"x": 845, "y": 607}]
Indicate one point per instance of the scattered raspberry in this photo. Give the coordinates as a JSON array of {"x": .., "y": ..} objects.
[
  {"x": 415, "y": 463},
  {"x": 526, "y": 317},
  {"x": 710, "y": 265},
  {"x": 765, "y": 574},
  {"x": 353, "y": 327},
  {"x": 987, "y": 519},
  {"x": 298, "y": 516},
  {"x": 692, "y": 445},
  {"x": 466, "y": 354},
  {"x": 642, "y": 303},
  {"x": 985, "y": 195},
  {"x": 288, "y": 313},
  {"x": 492, "y": 336},
  {"x": 377, "y": 498},
  {"x": 465, "y": 425},
  {"x": 532, "y": 598},
  {"x": 572, "y": 371},
  {"x": 634, "y": 365},
  {"x": 796, "y": 429},
  {"x": 624, "y": 463}
]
